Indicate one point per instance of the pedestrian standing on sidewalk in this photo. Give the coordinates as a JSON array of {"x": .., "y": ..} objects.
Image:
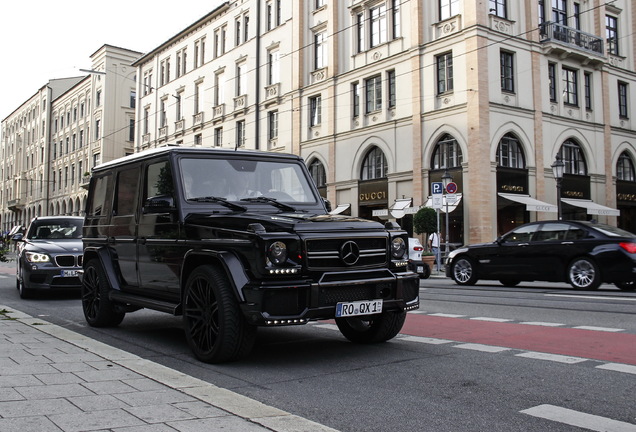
[{"x": 433, "y": 244}]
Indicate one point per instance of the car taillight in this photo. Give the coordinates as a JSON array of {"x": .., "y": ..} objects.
[
  {"x": 418, "y": 248},
  {"x": 629, "y": 247}
]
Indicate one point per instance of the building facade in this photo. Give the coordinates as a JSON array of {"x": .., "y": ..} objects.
[
  {"x": 51, "y": 142},
  {"x": 382, "y": 98}
]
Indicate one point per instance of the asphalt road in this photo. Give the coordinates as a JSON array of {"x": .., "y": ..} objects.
[{"x": 531, "y": 358}]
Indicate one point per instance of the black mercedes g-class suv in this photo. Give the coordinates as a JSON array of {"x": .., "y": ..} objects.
[{"x": 233, "y": 240}]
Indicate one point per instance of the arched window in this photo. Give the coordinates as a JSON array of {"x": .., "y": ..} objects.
[
  {"x": 510, "y": 153},
  {"x": 374, "y": 165},
  {"x": 447, "y": 153},
  {"x": 317, "y": 171},
  {"x": 573, "y": 158},
  {"x": 625, "y": 168}
]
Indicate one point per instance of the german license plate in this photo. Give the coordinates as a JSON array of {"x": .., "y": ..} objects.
[
  {"x": 69, "y": 273},
  {"x": 420, "y": 269},
  {"x": 368, "y": 307}
]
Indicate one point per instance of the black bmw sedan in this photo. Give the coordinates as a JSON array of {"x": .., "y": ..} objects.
[
  {"x": 50, "y": 255},
  {"x": 584, "y": 254}
]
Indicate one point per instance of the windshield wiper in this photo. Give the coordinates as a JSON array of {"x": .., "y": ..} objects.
[
  {"x": 272, "y": 201},
  {"x": 222, "y": 201}
]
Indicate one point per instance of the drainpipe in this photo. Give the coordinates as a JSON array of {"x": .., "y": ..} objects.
[{"x": 257, "y": 110}]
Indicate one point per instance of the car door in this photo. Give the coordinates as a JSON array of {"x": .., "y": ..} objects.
[
  {"x": 547, "y": 251},
  {"x": 123, "y": 229},
  {"x": 159, "y": 252},
  {"x": 513, "y": 257}
]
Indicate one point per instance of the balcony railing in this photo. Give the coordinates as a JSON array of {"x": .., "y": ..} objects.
[{"x": 551, "y": 31}]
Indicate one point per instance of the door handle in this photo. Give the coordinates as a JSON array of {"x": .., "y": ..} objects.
[
  {"x": 111, "y": 240},
  {"x": 523, "y": 244},
  {"x": 567, "y": 243},
  {"x": 142, "y": 240}
]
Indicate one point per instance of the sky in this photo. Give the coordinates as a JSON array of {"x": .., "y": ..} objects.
[{"x": 43, "y": 39}]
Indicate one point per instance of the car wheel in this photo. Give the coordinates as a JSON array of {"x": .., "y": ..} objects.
[
  {"x": 23, "y": 290},
  {"x": 626, "y": 286},
  {"x": 426, "y": 273},
  {"x": 99, "y": 311},
  {"x": 215, "y": 327},
  {"x": 584, "y": 274},
  {"x": 463, "y": 271},
  {"x": 509, "y": 282},
  {"x": 372, "y": 328}
]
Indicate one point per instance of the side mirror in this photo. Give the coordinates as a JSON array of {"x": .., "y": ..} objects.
[
  {"x": 327, "y": 204},
  {"x": 159, "y": 204},
  {"x": 17, "y": 237}
]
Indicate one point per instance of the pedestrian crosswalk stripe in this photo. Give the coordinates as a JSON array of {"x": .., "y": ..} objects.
[{"x": 579, "y": 419}]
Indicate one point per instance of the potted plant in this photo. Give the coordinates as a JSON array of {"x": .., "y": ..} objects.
[{"x": 425, "y": 221}]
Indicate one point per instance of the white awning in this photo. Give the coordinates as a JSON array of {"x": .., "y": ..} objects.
[
  {"x": 531, "y": 203},
  {"x": 341, "y": 208},
  {"x": 451, "y": 206},
  {"x": 592, "y": 207},
  {"x": 397, "y": 209}
]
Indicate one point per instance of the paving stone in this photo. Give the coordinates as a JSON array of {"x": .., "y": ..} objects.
[{"x": 88, "y": 421}]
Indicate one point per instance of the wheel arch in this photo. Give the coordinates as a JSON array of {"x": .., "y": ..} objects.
[
  {"x": 224, "y": 261},
  {"x": 103, "y": 255}
]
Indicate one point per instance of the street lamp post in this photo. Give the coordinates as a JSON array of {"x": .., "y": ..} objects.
[
  {"x": 557, "y": 169},
  {"x": 446, "y": 179}
]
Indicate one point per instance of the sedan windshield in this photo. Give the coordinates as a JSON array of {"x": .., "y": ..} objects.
[{"x": 55, "y": 230}]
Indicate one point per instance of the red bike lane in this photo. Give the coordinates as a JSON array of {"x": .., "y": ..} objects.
[{"x": 590, "y": 344}]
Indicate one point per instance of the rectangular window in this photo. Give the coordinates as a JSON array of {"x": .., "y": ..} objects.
[
  {"x": 390, "y": 77},
  {"x": 237, "y": 35},
  {"x": 396, "y": 18},
  {"x": 199, "y": 52},
  {"x": 587, "y": 77},
  {"x": 146, "y": 120},
  {"x": 320, "y": 50},
  {"x": 315, "y": 111},
  {"x": 246, "y": 32},
  {"x": 570, "y": 90},
  {"x": 98, "y": 99},
  {"x": 611, "y": 33},
  {"x": 272, "y": 123},
  {"x": 360, "y": 32},
  {"x": 241, "y": 79},
  {"x": 240, "y": 133},
  {"x": 552, "y": 82},
  {"x": 622, "y": 100},
  {"x": 576, "y": 16},
  {"x": 273, "y": 75},
  {"x": 163, "y": 119},
  {"x": 177, "y": 107},
  {"x": 81, "y": 138},
  {"x": 133, "y": 99},
  {"x": 197, "y": 98},
  {"x": 373, "y": 88},
  {"x": 219, "y": 86},
  {"x": 448, "y": 8},
  {"x": 445, "y": 73},
  {"x": 355, "y": 96},
  {"x": 560, "y": 12},
  {"x": 218, "y": 137},
  {"x": 507, "y": 71},
  {"x": 131, "y": 130},
  {"x": 378, "y": 25},
  {"x": 498, "y": 8},
  {"x": 198, "y": 140},
  {"x": 97, "y": 132}
]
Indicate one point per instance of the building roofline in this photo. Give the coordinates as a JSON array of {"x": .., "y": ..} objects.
[{"x": 218, "y": 9}]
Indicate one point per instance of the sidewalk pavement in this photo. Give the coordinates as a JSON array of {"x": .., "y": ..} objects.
[{"x": 53, "y": 379}]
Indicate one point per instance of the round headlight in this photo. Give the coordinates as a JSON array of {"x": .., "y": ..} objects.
[
  {"x": 398, "y": 247},
  {"x": 277, "y": 252},
  {"x": 36, "y": 257}
]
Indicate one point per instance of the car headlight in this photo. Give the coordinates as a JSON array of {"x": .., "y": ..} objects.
[
  {"x": 398, "y": 247},
  {"x": 36, "y": 257},
  {"x": 277, "y": 252}
]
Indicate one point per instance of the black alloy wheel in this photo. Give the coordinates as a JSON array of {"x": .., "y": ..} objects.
[
  {"x": 99, "y": 311},
  {"x": 215, "y": 327}
]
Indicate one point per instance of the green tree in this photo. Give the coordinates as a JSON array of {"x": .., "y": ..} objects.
[{"x": 425, "y": 221}]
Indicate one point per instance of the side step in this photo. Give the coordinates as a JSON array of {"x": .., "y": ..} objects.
[{"x": 148, "y": 303}]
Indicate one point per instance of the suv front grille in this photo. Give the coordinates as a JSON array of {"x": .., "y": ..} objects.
[
  {"x": 68, "y": 261},
  {"x": 335, "y": 253}
]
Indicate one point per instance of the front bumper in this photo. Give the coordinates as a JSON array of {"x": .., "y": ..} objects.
[
  {"x": 46, "y": 276},
  {"x": 300, "y": 301}
]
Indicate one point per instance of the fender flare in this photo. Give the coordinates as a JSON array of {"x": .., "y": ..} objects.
[
  {"x": 106, "y": 261},
  {"x": 230, "y": 263}
]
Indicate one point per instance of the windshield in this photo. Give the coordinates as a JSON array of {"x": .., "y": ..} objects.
[
  {"x": 236, "y": 180},
  {"x": 55, "y": 229}
]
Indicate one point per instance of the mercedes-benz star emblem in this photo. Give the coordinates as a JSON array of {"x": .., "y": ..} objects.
[{"x": 349, "y": 252}]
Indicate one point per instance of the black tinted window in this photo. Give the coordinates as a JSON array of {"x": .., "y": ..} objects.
[
  {"x": 522, "y": 234},
  {"x": 127, "y": 187},
  {"x": 99, "y": 205}
]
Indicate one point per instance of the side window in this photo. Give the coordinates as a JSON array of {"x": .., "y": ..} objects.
[
  {"x": 158, "y": 180},
  {"x": 575, "y": 234},
  {"x": 99, "y": 205},
  {"x": 552, "y": 232},
  {"x": 127, "y": 187},
  {"x": 521, "y": 235}
]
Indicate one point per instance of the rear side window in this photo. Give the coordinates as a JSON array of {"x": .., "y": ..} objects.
[
  {"x": 522, "y": 234},
  {"x": 127, "y": 190},
  {"x": 98, "y": 204}
]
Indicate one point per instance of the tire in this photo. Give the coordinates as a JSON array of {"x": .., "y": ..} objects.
[
  {"x": 372, "y": 328},
  {"x": 99, "y": 311},
  {"x": 23, "y": 290},
  {"x": 626, "y": 286},
  {"x": 215, "y": 327},
  {"x": 463, "y": 271},
  {"x": 509, "y": 282},
  {"x": 584, "y": 274},
  {"x": 427, "y": 272}
]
